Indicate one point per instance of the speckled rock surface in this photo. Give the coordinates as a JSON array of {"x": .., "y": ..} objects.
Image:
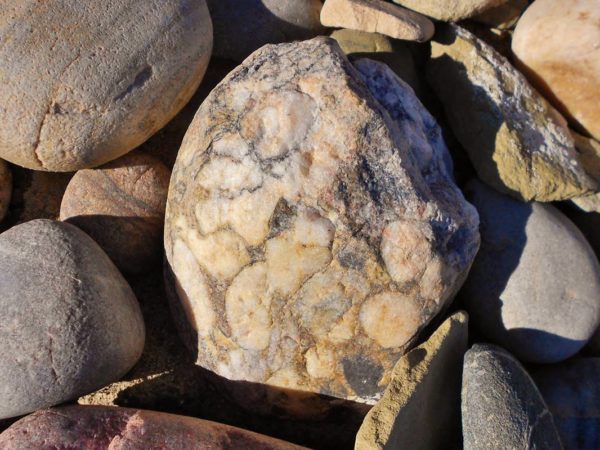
[
  {"x": 121, "y": 205},
  {"x": 311, "y": 233},
  {"x": 501, "y": 406},
  {"x": 101, "y": 427},
  {"x": 420, "y": 408},
  {"x": 449, "y": 10},
  {"x": 556, "y": 45},
  {"x": 83, "y": 82},
  {"x": 534, "y": 287},
  {"x": 517, "y": 142},
  {"x": 243, "y": 26},
  {"x": 69, "y": 321},
  {"x": 5, "y": 188},
  {"x": 572, "y": 394}
]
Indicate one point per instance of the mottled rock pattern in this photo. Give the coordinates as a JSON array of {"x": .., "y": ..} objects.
[
  {"x": 241, "y": 27},
  {"x": 449, "y": 10},
  {"x": 504, "y": 15},
  {"x": 121, "y": 205},
  {"x": 517, "y": 142},
  {"x": 377, "y": 16},
  {"x": 85, "y": 82},
  {"x": 69, "y": 321},
  {"x": 5, "y": 188},
  {"x": 572, "y": 394},
  {"x": 501, "y": 406},
  {"x": 420, "y": 408},
  {"x": 131, "y": 429},
  {"x": 534, "y": 287},
  {"x": 556, "y": 45},
  {"x": 313, "y": 231}
]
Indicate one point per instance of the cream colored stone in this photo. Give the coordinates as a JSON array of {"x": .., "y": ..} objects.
[
  {"x": 556, "y": 44},
  {"x": 376, "y": 16},
  {"x": 449, "y": 10}
]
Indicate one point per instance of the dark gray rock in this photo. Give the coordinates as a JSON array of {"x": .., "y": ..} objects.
[
  {"x": 501, "y": 406},
  {"x": 69, "y": 322},
  {"x": 572, "y": 393},
  {"x": 534, "y": 287}
]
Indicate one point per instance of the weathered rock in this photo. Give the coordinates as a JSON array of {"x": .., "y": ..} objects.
[
  {"x": 589, "y": 153},
  {"x": 70, "y": 322},
  {"x": 504, "y": 15},
  {"x": 85, "y": 82},
  {"x": 449, "y": 10},
  {"x": 572, "y": 394},
  {"x": 534, "y": 287},
  {"x": 420, "y": 408},
  {"x": 501, "y": 406},
  {"x": 5, "y": 188},
  {"x": 556, "y": 45},
  {"x": 132, "y": 429},
  {"x": 517, "y": 142},
  {"x": 122, "y": 207},
  {"x": 376, "y": 16},
  {"x": 242, "y": 27},
  {"x": 312, "y": 231},
  {"x": 589, "y": 203}
]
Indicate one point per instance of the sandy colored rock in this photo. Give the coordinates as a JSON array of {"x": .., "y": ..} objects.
[
  {"x": 83, "y": 82},
  {"x": 102, "y": 427},
  {"x": 121, "y": 206},
  {"x": 312, "y": 226},
  {"x": 449, "y": 10},
  {"x": 503, "y": 16},
  {"x": 517, "y": 142},
  {"x": 555, "y": 44},
  {"x": 5, "y": 188},
  {"x": 70, "y": 322},
  {"x": 420, "y": 408},
  {"x": 376, "y": 16}
]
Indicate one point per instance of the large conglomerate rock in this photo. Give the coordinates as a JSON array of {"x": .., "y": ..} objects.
[{"x": 312, "y": 226}]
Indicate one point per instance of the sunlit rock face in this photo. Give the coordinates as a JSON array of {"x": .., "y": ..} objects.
[{"x": 313, "y": 227}]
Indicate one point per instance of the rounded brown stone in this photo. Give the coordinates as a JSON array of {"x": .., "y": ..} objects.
[{"x": 121, "y": 206}]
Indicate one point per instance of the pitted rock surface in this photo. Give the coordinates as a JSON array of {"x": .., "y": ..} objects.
[{"x": 312, "y": 226}]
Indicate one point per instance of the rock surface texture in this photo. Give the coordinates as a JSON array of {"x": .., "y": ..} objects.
[
  {"x": 99, "y": 427},
  {"x": 517, "y": 142},
  {"x": 449, "y": 10},
  {"x": 122, "y": 207},
  {"x": 572, "y": 394},
  {"x": 534, "y": 287},
  {"x": 501, "y": 406},
  {"x": 313, "y": 231},
  {"x": 69, "y": 322},
  {"x": 242, "y": 27},
  {"x": 85, "y": 82},
  {"x": 420, "y": 408},
  {"x": 5, "y": 188},
  {"x": 556, "y": 45},
  {"x": 376, "y": 16}
]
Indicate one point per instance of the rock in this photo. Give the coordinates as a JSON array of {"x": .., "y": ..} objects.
[
  {"x": 449, "y": 10},
  {"x": 501, "y": 406},
  {"x": 420, "y": 407},
  {"x": 534, "y": 287},
  {"x": 241, "y": 27},
  {"x": 589, "y": 153},
  {"x": 517, "y": 142},
  {"x": 572, "y": 394},
  {"x": 504, "y": 15},
  {"x": 83, "y": 83},
  {"x": 395, "y": 54},
  {"x": 122, "y": 207},
  {"x": 376, "y": 16},
  {"x": 125, "y": 428},
  {"x": 70, "y": 322},
  {"x": 5, "y": 188},
  {"x": 589, "y": 203},
  {"x": 556, "y": 45},
  {"x": 311, "y": 231}
]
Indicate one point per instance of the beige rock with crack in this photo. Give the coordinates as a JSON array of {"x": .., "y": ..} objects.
[
  {"x": 376, "y": 16},
  {"x": 449, "y": 10},
  {"x": 420, "y": 408},
  {"x": 517, "y": 142},
  {"x": 85, "y": 82},
  {"x": 312, "y": 226},
  {"x": 5, "y": 188}
]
